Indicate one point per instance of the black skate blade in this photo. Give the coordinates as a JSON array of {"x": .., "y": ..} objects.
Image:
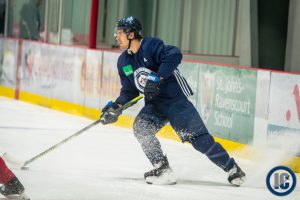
[
  {"x": 16, "y": 197},
  {"x": 238, "y": 181},
  {"x": 165, "y": 183},
  {"x": 162, "y": 180}
]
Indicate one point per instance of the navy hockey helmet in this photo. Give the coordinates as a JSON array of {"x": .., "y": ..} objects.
[{"x": 130, "y": 24}]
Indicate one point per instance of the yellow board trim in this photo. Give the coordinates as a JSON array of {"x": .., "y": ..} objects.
[
  {"x": 7, "y": 92},
  {"x": 52, "y": 103},
  {"x": 235, "y": 148}
]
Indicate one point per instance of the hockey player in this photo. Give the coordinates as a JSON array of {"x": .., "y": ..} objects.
[
  {"x": 11, "y": 186},
  {"x": 149, "y": 66}
]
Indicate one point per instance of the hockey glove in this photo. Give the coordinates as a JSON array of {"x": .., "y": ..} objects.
[
  {"x": 110, "y": 113},
  {"x": 151, "y": 89}
]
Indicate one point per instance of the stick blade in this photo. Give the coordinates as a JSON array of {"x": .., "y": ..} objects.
[{"x": 24, "y": 168}]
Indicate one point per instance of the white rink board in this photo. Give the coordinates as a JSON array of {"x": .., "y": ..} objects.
[
  {"x": 284, "y": 104},
  {"x": 261, "y": 108},
  {"x": 8, "y": 65},
  {"x": 53, "y": 71},
  {"x": 91, "y": 81}
]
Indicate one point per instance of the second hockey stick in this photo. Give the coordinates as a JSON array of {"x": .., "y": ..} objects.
[{"x": 125, "y": 106}]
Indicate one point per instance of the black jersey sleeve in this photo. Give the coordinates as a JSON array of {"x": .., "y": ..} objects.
[{"x": 169, "y": 57}]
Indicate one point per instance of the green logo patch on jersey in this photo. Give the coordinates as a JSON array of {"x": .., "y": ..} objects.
[{"x": 127, "y": 70}]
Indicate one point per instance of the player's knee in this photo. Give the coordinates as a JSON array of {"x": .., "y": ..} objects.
[
  {"x": 203, "y": 143},
  {"x": 143, "y": 128},
  {"x": 140, "y": 127}
]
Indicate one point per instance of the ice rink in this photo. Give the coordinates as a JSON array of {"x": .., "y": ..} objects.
[{"x": 107, "y": 163}]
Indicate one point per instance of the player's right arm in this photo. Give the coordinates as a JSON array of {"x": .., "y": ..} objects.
[{"x": 110, "y": 112}]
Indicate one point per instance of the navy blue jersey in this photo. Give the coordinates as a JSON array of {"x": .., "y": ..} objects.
[{"x": 152, "y": 55}]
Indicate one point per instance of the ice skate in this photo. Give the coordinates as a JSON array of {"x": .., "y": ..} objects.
[
  {"x": 236, "y": 176},
  {"x": 162, "y": 174},
  {"x": 13, "y": 190}
]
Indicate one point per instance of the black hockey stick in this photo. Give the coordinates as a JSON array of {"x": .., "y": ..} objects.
[{"x": 125, "y": 106}]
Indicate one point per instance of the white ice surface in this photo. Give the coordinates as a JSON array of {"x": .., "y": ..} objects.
[{"x": 107, "y": 163}]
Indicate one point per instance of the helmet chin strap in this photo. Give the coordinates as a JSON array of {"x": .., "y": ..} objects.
[{"x": 129, "y": 44}]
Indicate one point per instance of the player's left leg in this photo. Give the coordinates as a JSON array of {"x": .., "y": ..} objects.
[
  {"x": 147, "y": 123},
  {"x": 187, "y": 123}
]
